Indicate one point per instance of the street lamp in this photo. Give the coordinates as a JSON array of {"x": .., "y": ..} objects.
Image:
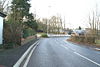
[
  {"x": 48, "y": 20},
  {"x": 47, "y": 27}
]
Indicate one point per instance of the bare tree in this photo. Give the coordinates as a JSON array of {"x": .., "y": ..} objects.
[
  {"x": 55, "y": 24},
  {"x": 4, "y": 6}
]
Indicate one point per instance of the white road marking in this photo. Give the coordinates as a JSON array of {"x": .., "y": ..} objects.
[
  {"x": 28, "y": 58},
  {"x": 56, "y": 41},
  {"x": 87, "y": 58},
  {"x": 65, "y": 41},
  {"x": 69, "y": 45},
  {"x": 98, "y": 49},
  {"x": 64, "y": 46},
  {"x": 84, "y": 56},
  {"x": 60, "y": 45},
  {"x": 24, "y": 55}
]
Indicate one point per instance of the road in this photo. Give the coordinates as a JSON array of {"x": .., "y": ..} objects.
[{"x": 55, "y": 52}]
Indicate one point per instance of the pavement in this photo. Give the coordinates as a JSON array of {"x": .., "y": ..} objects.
[
  {"x": 56, "y": 52},
  {"x": 10, "y": 56}
]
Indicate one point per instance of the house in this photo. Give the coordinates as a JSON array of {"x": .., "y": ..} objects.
[
  {"x": 78, "y": 32},
  {"x": 1, "y": 26}
]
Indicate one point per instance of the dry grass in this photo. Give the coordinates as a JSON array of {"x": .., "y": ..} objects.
[{"x": 84, "y": 43}]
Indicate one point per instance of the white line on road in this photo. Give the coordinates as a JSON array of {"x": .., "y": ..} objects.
[
  {"x": 87, "y": 58},
  {"x": 56, "y": 41},
  {"x": 64, "y": 47},
  {"x": 27, "y": 60},
  {"x": 69, "y": 45},
  {"x": 65, "y": 41},
  {"x": 24, "y": 55},
  {"x": 98, "y": 49}
]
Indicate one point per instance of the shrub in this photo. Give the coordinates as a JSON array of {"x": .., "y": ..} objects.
[
  {"x": 12, "y": 33},
  {"x": 84, "y": 39},
  {"x": 44, "y": 35},
  {"x": 28, "y": 32}
]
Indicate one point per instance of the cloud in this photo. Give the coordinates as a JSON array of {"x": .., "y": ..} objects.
[{"x": 75, "y": 11}]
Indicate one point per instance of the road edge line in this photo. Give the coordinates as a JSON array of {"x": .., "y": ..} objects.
[
  {"x": 97, "y": 49},
  {"x": 87, "y": 59},
  {"x": 17, "y": 64},
  {"x": 28, "y": 58}
]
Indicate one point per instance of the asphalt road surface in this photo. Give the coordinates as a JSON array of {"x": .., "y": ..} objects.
[{"x": 55, "y": 52}]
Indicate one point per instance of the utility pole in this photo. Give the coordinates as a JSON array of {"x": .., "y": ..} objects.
[{"x": 64, "y": 24}]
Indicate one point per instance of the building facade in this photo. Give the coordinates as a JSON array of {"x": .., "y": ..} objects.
[{"x": 1, "y": 27}]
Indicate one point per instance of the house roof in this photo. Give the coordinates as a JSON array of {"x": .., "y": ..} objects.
[
  {"x": 79, "y": 31},
  {"x": 2, "y": 14}
]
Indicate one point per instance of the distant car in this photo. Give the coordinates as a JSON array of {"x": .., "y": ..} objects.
[{"x": 70, "y": 32}]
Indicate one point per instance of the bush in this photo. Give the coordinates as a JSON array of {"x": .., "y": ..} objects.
[
  {"x": 97, "y": 41},
  {"x": 84, "y": 39},
  {"x": 44, "y": 35},
  {"x": 12, "y": 33},
  {"x": 28, "y": 32}
]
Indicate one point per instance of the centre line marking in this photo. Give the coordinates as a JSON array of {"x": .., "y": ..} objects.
[
  {"x": 64, "y": 46},
  {"x": 87, "y": 58}
]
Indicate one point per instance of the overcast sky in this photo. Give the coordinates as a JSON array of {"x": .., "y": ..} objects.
[{"x": 76, "y": 12}]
